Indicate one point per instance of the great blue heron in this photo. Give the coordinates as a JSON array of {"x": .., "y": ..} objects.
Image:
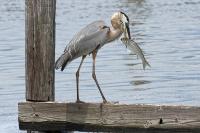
[{"x": 89, "y": 40}]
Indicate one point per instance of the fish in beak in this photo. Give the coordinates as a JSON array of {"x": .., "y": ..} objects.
[
  {"x": 126, "y": 30},
  {"x": 125, "y": 25}
]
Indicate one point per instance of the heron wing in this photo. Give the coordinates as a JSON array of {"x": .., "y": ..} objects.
[{"x": 88, "y": 38}]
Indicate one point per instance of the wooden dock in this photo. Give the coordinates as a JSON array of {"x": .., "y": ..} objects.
[{"x": 94, "y": 117}]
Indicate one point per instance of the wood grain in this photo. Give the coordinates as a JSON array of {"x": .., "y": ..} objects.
[
  {"x": 40, "y": 49},
  {"x": 108, "y": 117}
]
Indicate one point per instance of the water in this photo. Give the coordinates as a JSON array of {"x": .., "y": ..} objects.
[{"x": 168, "y": 31}]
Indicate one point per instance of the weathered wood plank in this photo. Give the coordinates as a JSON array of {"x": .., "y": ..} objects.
[
  {"x": 108, "y": 117},
  {"x": 40, "y": 49}
]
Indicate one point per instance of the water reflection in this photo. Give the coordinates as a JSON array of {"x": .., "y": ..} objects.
[{"x": 139, "y": 82}]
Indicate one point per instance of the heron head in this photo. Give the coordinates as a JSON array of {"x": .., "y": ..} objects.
[{"x": 120, "y": 20}]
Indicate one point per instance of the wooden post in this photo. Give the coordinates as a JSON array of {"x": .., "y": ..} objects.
[{"x": 40, "y": 49}]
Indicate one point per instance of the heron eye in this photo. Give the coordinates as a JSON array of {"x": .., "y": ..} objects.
[{"x": 121, "y": 21}]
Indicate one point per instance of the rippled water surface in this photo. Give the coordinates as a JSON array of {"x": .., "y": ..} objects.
[{"x": 168, "y": 31}]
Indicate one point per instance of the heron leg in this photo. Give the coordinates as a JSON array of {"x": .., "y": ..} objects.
[
  {"x": 77, "y": 79},
  {"x": 94, "y": 53}
]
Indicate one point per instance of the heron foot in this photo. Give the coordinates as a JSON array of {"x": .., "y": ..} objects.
[
  {"x": 112, "y": 102},
  {"x": 79, "y": 101},
  {"x": 106, "y": 102}
]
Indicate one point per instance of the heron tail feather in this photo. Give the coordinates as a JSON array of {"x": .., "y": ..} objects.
[{"x": 62, "y": 61}]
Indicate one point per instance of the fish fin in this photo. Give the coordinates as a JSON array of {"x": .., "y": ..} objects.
[
  {"x": 145, "y": 63},
  {"x": 123, "y": 40},
  {"x": 134, "y": 48}
]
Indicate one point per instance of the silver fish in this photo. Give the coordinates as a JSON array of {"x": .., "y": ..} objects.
[{"x": 134, "y": 47}]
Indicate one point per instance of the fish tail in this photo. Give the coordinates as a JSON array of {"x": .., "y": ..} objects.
[{"x": 146, "y": 63}]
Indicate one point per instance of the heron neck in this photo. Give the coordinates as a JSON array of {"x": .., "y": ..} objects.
[{"x": 114, "y": 34}]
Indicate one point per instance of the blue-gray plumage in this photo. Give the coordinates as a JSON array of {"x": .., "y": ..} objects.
[
  {"x": 89, "y": 40},
  {"x": 84, "y": 42}
]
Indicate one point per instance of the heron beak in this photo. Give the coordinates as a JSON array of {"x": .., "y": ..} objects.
[{"x": 127, "y": 31}]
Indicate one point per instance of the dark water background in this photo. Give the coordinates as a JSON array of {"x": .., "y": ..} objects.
[{"x": 167, "y": 30}]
